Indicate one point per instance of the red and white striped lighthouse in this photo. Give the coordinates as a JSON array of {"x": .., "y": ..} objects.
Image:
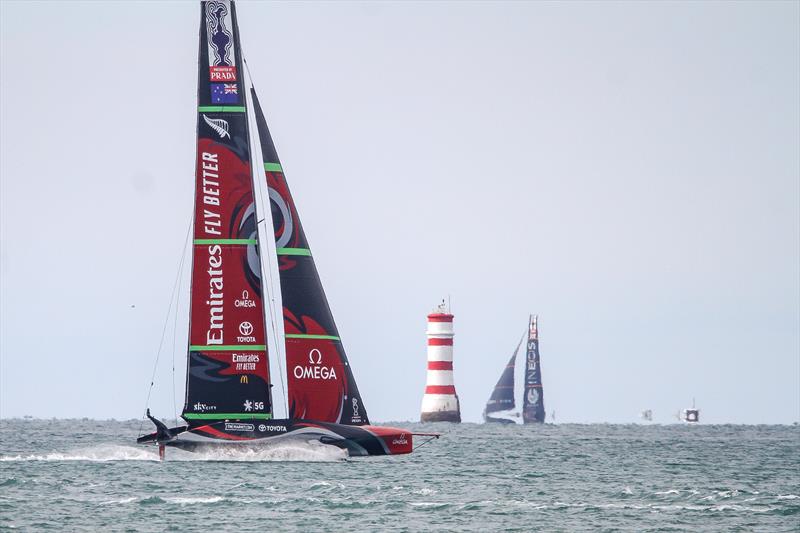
[{"x": 440, "y": 403}]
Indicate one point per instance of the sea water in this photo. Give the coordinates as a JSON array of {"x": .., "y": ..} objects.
[{"x": 84, "y": 475}]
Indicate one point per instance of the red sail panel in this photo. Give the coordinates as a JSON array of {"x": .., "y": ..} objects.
[
  {"x": 317, "y": 384},
  {"x": 226, "y": 307},
  {"x": 228, "y": 370}
]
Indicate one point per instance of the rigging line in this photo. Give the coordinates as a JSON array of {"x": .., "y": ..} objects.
[
  {"x": 164, "y": 330},
  {"x": 175, "y": 323}
]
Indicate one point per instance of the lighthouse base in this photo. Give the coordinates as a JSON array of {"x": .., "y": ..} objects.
[
  {"x": 441, "y": 416},
  {"x": 440, "y": 408}
]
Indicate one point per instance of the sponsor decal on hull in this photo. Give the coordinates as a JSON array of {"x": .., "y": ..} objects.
[
  {"x": 265, "y": 428},
  {"x": 236, "y": 426}
]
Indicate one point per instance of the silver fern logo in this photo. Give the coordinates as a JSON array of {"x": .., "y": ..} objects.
[{"x": 219, "y": 125}]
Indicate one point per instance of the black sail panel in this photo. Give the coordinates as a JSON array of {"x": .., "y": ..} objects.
[
  {"x": 228, "y": 371},
  {"x": 321, "y": 385},
  {"x": 502, "y": 398},
  {"x": 533, "y": 398}
]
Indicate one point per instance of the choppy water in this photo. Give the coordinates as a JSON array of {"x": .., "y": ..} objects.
[{"x": 71, "y": 475}]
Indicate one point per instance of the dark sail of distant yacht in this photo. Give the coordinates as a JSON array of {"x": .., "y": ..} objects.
[
  {"x": 252, "y": 281},
  {"x": 502, "y": 399},
  {"x": 501, "y": 403}
]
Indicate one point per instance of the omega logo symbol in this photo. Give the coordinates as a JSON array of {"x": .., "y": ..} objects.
[
  {"x": 245, "y": 295},
  {"x": 314, "y": 370},
  {"x": 245, "y": 328}
]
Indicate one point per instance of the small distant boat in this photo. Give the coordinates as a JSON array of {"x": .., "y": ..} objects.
[
  {"x": 691, "y": 416},
  {"x": 647, "y": 415},
  {"x": 250, "y": 280},
  {"x": 499, "y": 408}
]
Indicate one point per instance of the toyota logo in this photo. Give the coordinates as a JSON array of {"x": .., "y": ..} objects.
[{"x": 245, "y": 328}]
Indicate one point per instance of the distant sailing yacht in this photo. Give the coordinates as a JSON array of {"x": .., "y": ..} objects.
[
  {"x": 501, "y": 403},
  {"x": 229, "y": 400},
  {"x": 691, "y": 416}
]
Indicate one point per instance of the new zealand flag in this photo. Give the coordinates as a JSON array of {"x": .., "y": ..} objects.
[{"x": 224, "y": 93}]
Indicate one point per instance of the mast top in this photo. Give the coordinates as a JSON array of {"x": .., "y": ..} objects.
[{"x": 533, "y": 332}]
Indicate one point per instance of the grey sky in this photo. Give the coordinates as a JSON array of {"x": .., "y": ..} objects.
[{"x": 629, "y": 171}]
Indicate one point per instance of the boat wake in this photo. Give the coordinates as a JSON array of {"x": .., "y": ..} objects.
[
  {"x": 101, "y": 453},
  {"x": 284, "y": 452}
]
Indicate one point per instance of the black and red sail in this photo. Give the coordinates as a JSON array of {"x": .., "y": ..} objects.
[
  {"x": 228, "y": 370},
  {"x": 321, "y": 385}
]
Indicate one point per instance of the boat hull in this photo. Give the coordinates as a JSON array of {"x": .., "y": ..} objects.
[
  {"x": 359, "y": 441},
  {"x": 492, "y": 420}
]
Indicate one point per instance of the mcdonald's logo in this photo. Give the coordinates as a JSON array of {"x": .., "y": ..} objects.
[{"x": 243, "y": 379}]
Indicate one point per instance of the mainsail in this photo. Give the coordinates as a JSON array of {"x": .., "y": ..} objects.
[
  {"x": 228, "y": 371},
  {"x": 502, "y": 398},
  {"x": 533, "y": 397},
  {"x": 321, "y": 385}
]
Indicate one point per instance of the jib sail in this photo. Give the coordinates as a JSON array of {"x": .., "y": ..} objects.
[
  {"x": 227, "y": 375},
  {"x": 320, "y": 384},
  {"x": 533, "y": 398},
  {"x": 502, "y": 398}
]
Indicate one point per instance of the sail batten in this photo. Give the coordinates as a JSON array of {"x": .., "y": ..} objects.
[
  {"x": 226, "y": 241},
  {"x": 219, "y": 416},
  {"x": 222, "y": 109}
]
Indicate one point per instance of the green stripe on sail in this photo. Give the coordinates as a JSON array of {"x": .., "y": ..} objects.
[
  {"x": 294, "y": 251},
  {"x": 304, "y": 336},
  {"x": 225, "y": 241},
  {"x": 229, "y": 347},
  {"x": 273, "y": 167},
  {"x": 220, "y": 416},
  {"x": 221, "y": 109}
]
